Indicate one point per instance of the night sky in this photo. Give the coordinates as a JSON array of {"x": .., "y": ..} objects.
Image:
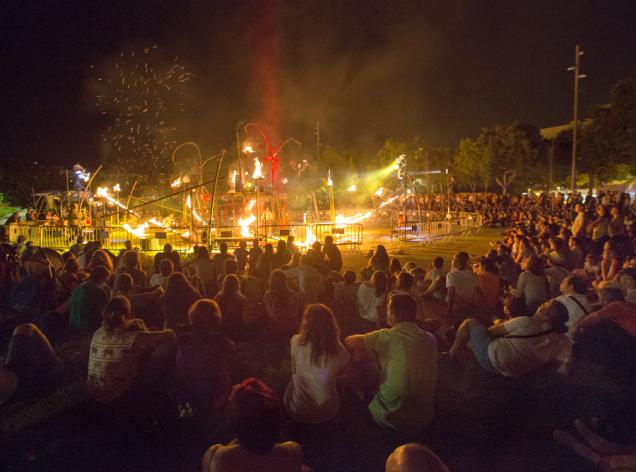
[{"x": 366, "y": 70}]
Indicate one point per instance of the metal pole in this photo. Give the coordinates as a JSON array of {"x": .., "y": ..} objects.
[{"x": 577, "y": 66}]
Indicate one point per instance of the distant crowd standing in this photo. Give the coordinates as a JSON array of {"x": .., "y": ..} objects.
[{"x": 558, "y": 290}]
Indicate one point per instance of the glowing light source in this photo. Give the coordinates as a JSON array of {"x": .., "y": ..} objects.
[
  {"x": 116, "y": 188},
  {"x": 258, "y": 169},
  {"x": 357, "y": 218},
  {"x": 329, "y": 180},
  {"x": 379, "y": 192},
  {"x": 248, "y": 149},
  {"x": 352, "y": 188}
]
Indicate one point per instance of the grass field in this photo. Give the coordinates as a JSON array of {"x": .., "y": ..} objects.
[{"x": 483, "y": 422}]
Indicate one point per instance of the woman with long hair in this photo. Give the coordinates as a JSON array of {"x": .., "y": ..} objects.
[
  {"x": 282, "y": 304},
  {"x": 533, "y": 285},
  {"x": 233, "y": 304},
  {"x": 179, "y": 296},
  {"x": 372, "y": 299},
  {"x": 380, "y": 259},
  {"x": 611, "y": 261},
  {"x": 318, "y": 357},
  {"x": 100, "y": 258}
]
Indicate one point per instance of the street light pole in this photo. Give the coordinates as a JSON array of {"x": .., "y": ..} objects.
[{"x": 577, "y": 75}]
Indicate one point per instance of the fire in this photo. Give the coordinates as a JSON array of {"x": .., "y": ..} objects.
[
  {"x": 352, "y": 188},
  {"x": 258, "y": 169},
  {"x": 189, "y": 202},
  {"x": 379, "y": 192},
  {"x": 357, "y": 218},
  {"x": 248, "y": 149},
  {"x": 388, "y": 202},
  {"x": 310, "y": 238},
  {"x": 139, "y": 231},
  {"x": 176, "y": 183},
  {"x": 245, "y": 223}
]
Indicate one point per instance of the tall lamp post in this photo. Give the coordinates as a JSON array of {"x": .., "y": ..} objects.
[{"x": 577, "y": 75}]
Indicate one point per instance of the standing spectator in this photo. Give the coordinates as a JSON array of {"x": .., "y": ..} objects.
[
  {"x": 283, "y": 305},
  {"x": 168, "y": 253},
  {"x": 233, "y": 306},
  {"x": 461, "y": 285},
  {"x": 88, "y": 300},
  {"x": 254, "y": 415},
  {"x": 332, "y": 254},
  {"x": 241, "y": 254},
  {"x": 203, "y": 360},
  {"x": 407, "y": 356},
  {"x": 179, "y": 297}
]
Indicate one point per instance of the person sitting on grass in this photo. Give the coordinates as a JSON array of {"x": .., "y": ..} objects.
[
  {"x": 233, "y": 307},
  {"x": 166, "y": 267},
  {"x": 520, "y": 345},
  {"x": 88, "y": 300},
  {"x": 130, "y": 264},
  {"x": 203, "y": 360},
  {"x": 115, "y": 353},
  {"x": 30, "y": 365},
  {"x": 346, "y": 293},
  {"x": 414, "y": 457},
  {"x": 372, "y": 298},
  {"x": 283, "y": 305},
  {"x": 317, "y": 358},
  {"x": 462, "y": 285},
  {"x": 179, "y": 296},
  {"x": 407, "y": 358},
  {"x": 255, "y": 418}
]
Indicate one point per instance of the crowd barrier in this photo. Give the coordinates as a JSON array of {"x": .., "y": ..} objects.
[
  {"x": 428, "y": 230},
  {"x": 181, "y": 239}
]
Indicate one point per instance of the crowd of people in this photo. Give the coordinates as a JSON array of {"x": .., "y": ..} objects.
[{"x": 557, "y": 291}]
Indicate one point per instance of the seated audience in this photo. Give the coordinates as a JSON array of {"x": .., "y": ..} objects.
[
  {"x": 88, "y": 300},
  {"x": 414, "y": 457},
  {"x": 317, "y": 357},
  {"x": 255, "y": 417},
  {"x": 407, "y": 358}
]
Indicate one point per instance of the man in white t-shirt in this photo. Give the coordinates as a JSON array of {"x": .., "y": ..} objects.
[
  {"x": 520, "y": 345},
  {"x": 574, "y": 299},
  {"x": 461, "y": 284}
]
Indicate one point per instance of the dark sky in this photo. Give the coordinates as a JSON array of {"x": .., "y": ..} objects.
[{"x": 367, "y": 70}]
